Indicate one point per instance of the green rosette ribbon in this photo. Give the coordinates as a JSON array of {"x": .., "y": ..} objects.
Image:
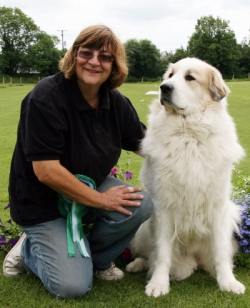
[{"x": 74, "y": 212}]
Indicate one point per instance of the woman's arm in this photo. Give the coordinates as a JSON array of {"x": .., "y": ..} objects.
[{"x": 54, "y": 175}]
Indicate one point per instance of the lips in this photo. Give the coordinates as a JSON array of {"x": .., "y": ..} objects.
[{"x": 92, "y": 71}]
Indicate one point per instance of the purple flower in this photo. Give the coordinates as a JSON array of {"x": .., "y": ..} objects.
[
  {"x": 2, "y": 240},
  {"x": 244, "y": 228},
  {"x": 113, "y": 171},
  {"x": 7, "y": 207},
  {"x": 12, "y": 242},
  {"x": 127, "y": 255},
  {"x": 244, "y": 242},
  {"x": 247, "y": 222},
  {"x": 128, "y": 175},
  {"x": 244, "y": 232}
]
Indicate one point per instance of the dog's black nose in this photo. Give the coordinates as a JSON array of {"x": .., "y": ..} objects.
[{"x": 166, "y": 88}]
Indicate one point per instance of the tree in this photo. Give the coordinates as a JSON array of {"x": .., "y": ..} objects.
[
  {"x": 132, "y": 48},
  {"x": 17, "y": 33},
  {"x": 24, "y": 47},
  {"x": 144, "y": 59},
  {"x": 165, "y": 56},
  {"x": 179, "y": 54},
  {"x": 213, "y": 41},
  {"x": 43, "y": 56},
  {"x": 244, "y": 62}
]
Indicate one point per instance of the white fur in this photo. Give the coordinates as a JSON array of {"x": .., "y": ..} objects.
[{"x": 190, "y": 148}]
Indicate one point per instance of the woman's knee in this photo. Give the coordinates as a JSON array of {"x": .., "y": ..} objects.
[{"x": 68, "y": 289}]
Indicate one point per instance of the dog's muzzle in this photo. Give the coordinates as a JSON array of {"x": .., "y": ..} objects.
[{"x": 166, "y": 93}]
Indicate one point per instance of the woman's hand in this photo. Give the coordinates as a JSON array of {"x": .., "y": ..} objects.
[{"x": 115, "y": 198}]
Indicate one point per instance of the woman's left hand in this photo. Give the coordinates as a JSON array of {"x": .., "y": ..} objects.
[{"x": 116, "y": 198}]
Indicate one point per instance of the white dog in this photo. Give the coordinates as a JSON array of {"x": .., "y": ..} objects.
[{"x": 190, "y": 148}]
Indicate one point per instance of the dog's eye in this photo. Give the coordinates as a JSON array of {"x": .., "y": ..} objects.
[
  {"x": 170, "y": 75},
  {"x": 189, "y": 78}
]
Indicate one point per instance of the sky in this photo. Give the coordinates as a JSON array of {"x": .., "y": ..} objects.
[{"x": 168, "y": 24}]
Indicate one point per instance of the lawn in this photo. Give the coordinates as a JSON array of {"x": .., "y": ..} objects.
[{"x": 200, "y": 290}]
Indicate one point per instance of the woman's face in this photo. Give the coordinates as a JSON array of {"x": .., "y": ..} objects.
[{"x": 93, "y": 67}]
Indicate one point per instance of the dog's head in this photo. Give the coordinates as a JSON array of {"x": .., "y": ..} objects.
[{"x": 190, "y": 84}]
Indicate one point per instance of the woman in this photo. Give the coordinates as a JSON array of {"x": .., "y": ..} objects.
[{"x": 72, "y": 125}]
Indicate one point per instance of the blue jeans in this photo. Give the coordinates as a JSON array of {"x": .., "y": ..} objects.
[{"x": 44, "y": 250}]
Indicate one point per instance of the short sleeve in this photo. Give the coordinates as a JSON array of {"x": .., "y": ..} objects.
[{"x": 43, "y": 126}]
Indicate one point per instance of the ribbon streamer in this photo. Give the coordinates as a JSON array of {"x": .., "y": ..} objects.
[{"x": 74, "y": 212}]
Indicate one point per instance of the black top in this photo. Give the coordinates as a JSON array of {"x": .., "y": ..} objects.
[{"x": 57, "y": 123}]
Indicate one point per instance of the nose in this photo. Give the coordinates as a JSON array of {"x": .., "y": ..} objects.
[
  {"x": 166, "y": 88},
  {"x": 94, "y": 59}
]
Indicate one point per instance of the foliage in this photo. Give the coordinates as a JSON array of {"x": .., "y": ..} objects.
[
  {"x": 244, "y": 60},
  {"x": 179, "y": 54},
  {"x": 24, "y": 47},
  {"x": 17, "y": 32},
  {"x": 242, "y": 187},
  {"x": 43, "y": 56},
  {"x": 123, "y": 172},
  {"x": 244, "y": 237},
  {"x": 241, "y": 196},
  {"x": 242, "y": 257},
  {"x": 144, "y": 59},
  {"x": 213, "y": 41},
  {"x": 9, "y": 234}
]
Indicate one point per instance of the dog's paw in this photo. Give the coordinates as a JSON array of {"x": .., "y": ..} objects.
[
  {"x": 232, "y": 286},
  {"x": 138, "y": 265},
  {"x": 157, "y": 289}
]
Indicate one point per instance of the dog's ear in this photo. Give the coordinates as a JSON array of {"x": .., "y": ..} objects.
[{"x": 217, "y": 86}]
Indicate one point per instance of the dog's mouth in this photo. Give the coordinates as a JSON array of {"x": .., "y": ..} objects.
[
  {"x": 166, "y": 97},
  {"x": 166, "y": 100}
]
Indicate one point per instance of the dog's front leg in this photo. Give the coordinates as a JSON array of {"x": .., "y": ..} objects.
[
  {"x": 160, "y": 259},
  {"x": 223, "y": 254}
]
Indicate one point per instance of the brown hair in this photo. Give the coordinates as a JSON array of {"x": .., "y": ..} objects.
[{"x": 96, "y": 37}]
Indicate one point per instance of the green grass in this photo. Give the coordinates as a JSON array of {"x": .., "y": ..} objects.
[
  {"x": 10, "y": 99},
  {"x": 200, "y": 290},
  {"x": 239, "y": 108}
]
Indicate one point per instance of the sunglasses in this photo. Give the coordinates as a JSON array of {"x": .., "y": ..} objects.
[{"x": 89, "y": 55}]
